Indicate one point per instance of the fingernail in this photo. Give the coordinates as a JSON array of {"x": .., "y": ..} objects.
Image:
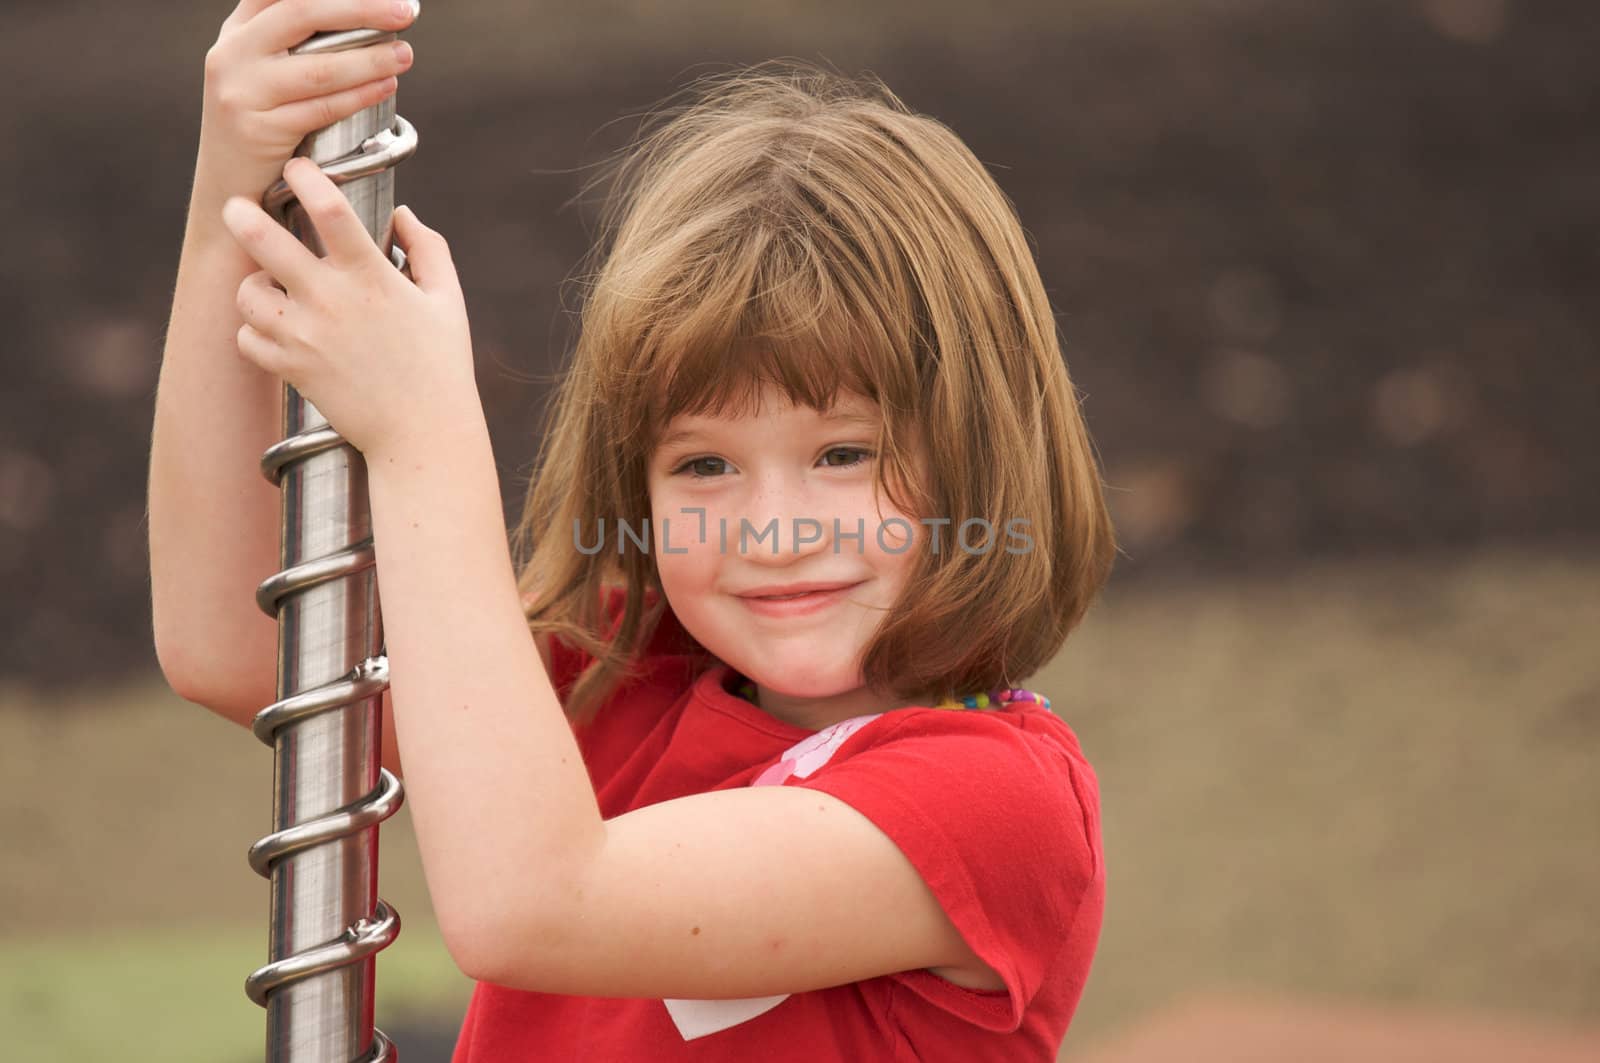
[
  {"x": 402, "y": 51},
  {"x": 402, "y": 9}
]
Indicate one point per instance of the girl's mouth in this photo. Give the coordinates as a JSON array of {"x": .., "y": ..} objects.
[{"x": 797, "y": 604}]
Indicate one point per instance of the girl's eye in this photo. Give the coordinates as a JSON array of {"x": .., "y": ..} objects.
[
  {"x": 860, "y": 455},
  {"x": 857, "y": 456},
  {"x": 692, "y": 462}
]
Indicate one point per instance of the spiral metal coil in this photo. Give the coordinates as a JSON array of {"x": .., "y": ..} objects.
[{"x": 330, "y": 791}]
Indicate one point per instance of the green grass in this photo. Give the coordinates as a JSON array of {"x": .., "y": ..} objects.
[
  {"x": 178, "y": 995},
  {"x": 129, "y": 918}
]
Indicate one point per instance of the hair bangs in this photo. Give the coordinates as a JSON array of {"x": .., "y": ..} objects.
[{"x": 765, "y": 306}]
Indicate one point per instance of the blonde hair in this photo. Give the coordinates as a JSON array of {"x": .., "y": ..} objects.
[{"x": 786, "y": 224}]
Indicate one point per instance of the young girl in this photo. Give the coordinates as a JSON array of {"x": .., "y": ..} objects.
[{"x": 729, "y": 762}]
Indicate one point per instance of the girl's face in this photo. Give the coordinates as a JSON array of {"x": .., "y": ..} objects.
[{"x": 753, "y": 505}]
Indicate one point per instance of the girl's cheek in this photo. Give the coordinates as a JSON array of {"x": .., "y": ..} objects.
[
  {"x": 895, "y": 537},
  {"x": 684, "y": 535},
  {"x": 888, "y": 531}
]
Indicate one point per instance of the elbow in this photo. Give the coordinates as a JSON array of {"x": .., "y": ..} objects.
[
  {"x": 234, "y": 677},
  {"x": 479, "y": 945},
  {"x": 517, "y": 959},
  {"x": 532, "y": 940},
  {"x": 233, "y": 701},
  {"x": 466, "y": 958},
  {"x": 170, "y": 645},
  {"x": 487, "y": 945},
  {"x": 178, "y": 672},
  {"x": 181, "y": 667}
]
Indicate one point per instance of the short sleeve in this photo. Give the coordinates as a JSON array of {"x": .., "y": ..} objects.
[
  {"x": 614, "y": 729},
  {"x": 567, "y": 662},
  {"x": 1001, "y": 819}
]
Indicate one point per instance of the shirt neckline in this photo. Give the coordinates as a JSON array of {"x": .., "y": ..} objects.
[{"x": 711, "y": 690}]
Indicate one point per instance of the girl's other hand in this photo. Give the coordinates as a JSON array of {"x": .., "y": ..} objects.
[
  {"x": 385, "y": 360},
  {"x": 260, "y": 101}
]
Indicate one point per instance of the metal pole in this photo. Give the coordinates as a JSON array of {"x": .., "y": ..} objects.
[{"x": 329, "y": 791}]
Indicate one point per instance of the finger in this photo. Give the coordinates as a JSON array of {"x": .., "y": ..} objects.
[
  {"x": 262, "y": 303},
  {"x": 272, "y": 246},
  {"x": 427, "y": 253},
  {"x": 326, "y": 110},
  {"x": 302, "y": 77},
  {"x": 284, "y": 25},
  {"x": 343, "y": 235},
  {"x": 247, "y": 10},
  {"x": 261, "y": 349}
]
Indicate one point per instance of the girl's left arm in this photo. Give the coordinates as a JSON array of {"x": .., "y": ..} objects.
[{"x": 733, "y": 893}]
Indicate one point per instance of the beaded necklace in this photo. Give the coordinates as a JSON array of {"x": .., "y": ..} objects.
[{"x": 991, "y": 699}]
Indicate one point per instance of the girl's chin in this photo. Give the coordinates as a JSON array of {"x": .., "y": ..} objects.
[{"x": 809, "y": 688}]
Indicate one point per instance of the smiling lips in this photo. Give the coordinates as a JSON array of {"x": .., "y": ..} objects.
[{"x": 795, "y": 599}]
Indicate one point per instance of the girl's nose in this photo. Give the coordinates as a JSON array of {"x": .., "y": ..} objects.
[{"x": 782, "y": 520}]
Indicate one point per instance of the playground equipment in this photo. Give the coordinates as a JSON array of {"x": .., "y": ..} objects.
[{"x": 329, "y": 790}]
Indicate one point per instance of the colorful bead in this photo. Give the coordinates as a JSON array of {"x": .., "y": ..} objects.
[{"x": 982, "y": 700}]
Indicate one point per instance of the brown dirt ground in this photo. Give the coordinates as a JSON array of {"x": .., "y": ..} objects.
[{"x": 1372, "y": 782}]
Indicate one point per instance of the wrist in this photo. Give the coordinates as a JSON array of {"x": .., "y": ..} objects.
[
  {"x": 451, "y": 435},
  {"x": 213, "y": 186},
  {"x": 220, "y": 173}
]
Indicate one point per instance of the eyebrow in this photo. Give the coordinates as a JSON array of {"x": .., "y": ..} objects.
[{"x": 841, "y": 419}]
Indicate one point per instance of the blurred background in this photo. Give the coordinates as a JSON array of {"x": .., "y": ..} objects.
[{"x": 1325, "y": 273}]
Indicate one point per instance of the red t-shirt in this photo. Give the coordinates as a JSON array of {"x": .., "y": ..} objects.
[{"x": 996, "y": 808}]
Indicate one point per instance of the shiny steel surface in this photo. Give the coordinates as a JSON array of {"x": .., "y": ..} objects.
[{"x": 329, "y": 790}]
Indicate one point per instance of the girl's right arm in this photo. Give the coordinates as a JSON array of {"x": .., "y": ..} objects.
[{"x": 213, "y": 518}]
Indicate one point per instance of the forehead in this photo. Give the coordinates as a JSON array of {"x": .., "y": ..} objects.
[{"x": 849, "y": 411}]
